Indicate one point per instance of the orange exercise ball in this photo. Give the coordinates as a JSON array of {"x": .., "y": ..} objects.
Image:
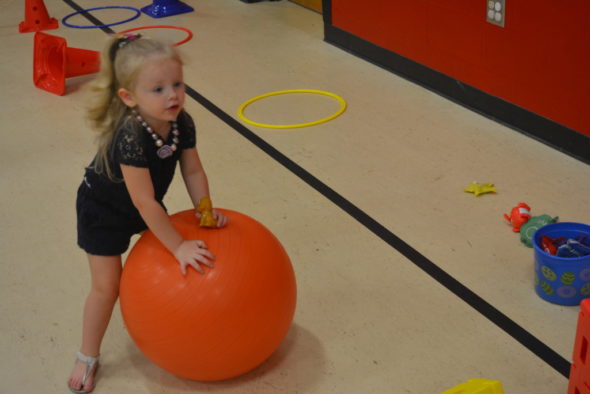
[{"x": 216, "y": 325}]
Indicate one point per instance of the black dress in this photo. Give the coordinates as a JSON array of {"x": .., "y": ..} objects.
[{"x": 106, "y": 216}]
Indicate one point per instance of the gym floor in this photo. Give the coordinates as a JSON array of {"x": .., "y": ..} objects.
[{"x": 369, "y": 319}]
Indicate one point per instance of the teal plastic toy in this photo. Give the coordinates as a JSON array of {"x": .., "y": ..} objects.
[{"x": 527, "y": 231}]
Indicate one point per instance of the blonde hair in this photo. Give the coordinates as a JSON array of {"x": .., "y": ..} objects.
[{"x": 121, "y": 61}]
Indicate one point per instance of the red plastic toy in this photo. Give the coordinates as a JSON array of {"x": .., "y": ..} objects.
[
  {"x": 519, "y": 215},
  {"x": 549, "y": 244}
]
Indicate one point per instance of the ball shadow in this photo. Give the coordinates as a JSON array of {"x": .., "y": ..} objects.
[{"x": 297, "y": 364}]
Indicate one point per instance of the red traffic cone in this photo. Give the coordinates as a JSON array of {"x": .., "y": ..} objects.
[
  {"x": 53, "y": 62},
  {"x": 36, "y": 18}
]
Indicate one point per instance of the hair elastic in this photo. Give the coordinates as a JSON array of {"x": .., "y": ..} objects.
[{"x": 122, "y": 40}]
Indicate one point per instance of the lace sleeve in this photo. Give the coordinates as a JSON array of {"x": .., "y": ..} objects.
[
  {"x": 129, "y": 148},
  {"x": 188, "y": 132}
]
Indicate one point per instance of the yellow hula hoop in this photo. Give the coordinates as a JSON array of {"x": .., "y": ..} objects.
[{"x": 291, "y": 126}]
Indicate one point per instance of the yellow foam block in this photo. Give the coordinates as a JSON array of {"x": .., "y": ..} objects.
[{"x": 477, "y": 386}]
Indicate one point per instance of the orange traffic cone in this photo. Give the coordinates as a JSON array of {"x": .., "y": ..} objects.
[
  {"x": 580, "y": 369},
  {"x": 53, "y": 62},
  {"x": 36, "y": 18}
]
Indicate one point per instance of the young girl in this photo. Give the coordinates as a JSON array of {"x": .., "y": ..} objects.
[{"x": 143, "y": 133}]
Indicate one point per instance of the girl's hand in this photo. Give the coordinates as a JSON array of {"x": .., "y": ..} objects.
[
  {"x": 193, "y": 253},
  {"x": 219, "y": 217}
]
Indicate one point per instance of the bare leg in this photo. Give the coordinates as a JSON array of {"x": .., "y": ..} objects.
[{"x": 105, "y": 272}]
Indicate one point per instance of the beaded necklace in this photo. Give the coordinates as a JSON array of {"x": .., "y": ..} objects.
[{"x": 164, "y": 150}]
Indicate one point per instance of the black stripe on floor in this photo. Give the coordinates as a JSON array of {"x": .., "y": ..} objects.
[{"x": 513, "y": 329}]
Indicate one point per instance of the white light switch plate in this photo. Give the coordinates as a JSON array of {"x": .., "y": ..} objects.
[{"x": 496, "y": 12}]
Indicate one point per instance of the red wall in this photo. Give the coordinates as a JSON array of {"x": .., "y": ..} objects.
[{"x": 539, "y": 61}]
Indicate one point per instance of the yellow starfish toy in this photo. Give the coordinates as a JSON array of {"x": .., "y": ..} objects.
[{"x": 480, "y": 188}]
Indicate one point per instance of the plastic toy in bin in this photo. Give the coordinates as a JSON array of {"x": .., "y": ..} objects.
[
  {"x": 550, "y": 245},
  {"x": 574, "y": 247}
]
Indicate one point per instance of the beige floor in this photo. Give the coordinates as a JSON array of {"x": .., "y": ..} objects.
[{"x": 368, "y": 320}]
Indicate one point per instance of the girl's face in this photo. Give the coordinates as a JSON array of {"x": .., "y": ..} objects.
[{"x": 158, "y": 95}]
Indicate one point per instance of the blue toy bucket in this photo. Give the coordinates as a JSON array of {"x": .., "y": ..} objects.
[{"x": 561, "y": 280}]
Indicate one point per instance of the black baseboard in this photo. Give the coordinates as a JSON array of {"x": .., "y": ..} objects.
[{"x": 560, "y": 137}]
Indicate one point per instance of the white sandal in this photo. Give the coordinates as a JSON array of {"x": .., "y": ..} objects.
[{"x": 91, "y": 367}]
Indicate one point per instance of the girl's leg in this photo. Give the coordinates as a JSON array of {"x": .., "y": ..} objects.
[{"x": 105, "y": 272}]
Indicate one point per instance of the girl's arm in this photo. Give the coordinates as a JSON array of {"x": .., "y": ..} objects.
[
  {"x": 196, "y": 181},
  {"x": 194, "y": 175},
  {"x": 141, "y": 190}
]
